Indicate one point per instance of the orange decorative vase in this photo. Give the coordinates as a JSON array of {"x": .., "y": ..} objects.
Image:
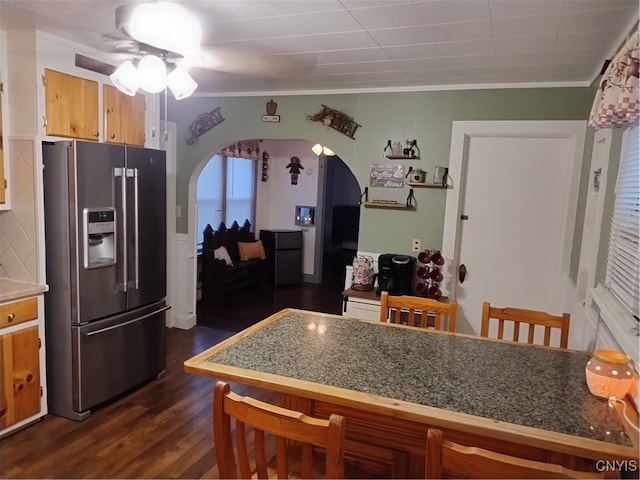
[{"x": 609, "y": 374}]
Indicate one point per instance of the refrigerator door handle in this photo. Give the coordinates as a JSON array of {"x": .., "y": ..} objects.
[
  {"x": 136, "y": 236},
  {"x": 119, "y": 325},
  {"x": 121, "y": 172},
  {"x": 136, "y": 262}
]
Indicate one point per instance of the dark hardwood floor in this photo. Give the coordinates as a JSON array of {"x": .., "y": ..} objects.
[
  {"x": 242, "y": 308},
  {"x": 239, "y": 309},
  {"x": 163, "y": 429}
]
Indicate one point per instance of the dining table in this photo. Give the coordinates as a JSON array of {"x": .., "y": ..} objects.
[{"x": 393, "y": 382}]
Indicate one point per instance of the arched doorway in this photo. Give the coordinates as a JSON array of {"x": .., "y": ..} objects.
[{"x": 325, "y": 182}]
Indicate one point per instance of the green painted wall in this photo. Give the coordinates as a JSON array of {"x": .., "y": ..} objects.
[{"x": 424, "y": 116}]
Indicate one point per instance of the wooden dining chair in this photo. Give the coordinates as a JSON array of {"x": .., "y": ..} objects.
[
  {"x": 531, "y": 318},
  {"x": 417, "y": 311},
  {"x": 287, "y": 426},
  {"x": 446, "y": 459}
]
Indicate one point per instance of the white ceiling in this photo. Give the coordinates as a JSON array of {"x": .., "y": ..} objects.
[{"x": 374, "y": 45}]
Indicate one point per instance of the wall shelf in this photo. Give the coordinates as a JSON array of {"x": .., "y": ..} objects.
[
  {"x": 427, "y": 185},
  {"x": 396, "y": 206}
]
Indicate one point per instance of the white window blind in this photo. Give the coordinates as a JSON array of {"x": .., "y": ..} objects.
[{"x": 622, "y": 275}]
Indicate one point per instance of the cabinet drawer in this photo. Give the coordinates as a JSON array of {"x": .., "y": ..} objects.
[
  {"x": 16, "y": 312},
  {"x": 363, "y": 310}
]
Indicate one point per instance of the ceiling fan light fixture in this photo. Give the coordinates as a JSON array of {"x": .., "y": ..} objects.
[
  {"x": 125, "y": 78},
  {"x": 152, "y": 74},
  {"x": 318, "y": 149},
  {"x": 180, "y": 83},
  {"x": 165, "y": 25}
]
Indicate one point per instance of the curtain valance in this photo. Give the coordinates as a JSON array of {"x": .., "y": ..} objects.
[
  {"x": 249, "y": 149},
  {"x": 616, "y": 102}
]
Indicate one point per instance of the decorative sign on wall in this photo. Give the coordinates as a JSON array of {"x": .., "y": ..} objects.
[
  {"x": 337, "y": 120},
  {"x": 387, "y": 176},
  {"x": 203, "y": 123},
  {"x": 271, "y": 112}
]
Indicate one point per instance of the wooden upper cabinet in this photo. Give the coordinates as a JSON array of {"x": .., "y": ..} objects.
[
  {"x": 71, "y": 105},
  {"x": 123, "y": 117}
]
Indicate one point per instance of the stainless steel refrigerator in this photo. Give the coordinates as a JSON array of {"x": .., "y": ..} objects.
[{"x": 105, "y": 235}]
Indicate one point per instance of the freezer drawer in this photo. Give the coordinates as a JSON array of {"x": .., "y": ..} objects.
[{"x": 113, "y": 355}]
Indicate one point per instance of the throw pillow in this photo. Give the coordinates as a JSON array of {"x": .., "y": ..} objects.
[
  {"x": 249, "y": 251},
  {"x": 222, "y": 254}
]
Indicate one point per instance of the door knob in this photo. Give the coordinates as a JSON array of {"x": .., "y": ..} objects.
[{"x": 462, "y": 273}]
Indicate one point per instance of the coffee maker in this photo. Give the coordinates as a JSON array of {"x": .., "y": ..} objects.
[{"x": 395, "y": 274}]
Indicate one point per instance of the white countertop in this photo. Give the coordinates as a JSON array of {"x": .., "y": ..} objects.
[{"x": 15, "y": 290}]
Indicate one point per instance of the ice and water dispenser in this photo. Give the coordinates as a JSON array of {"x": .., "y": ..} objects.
[{"x": 99, "y": 237}]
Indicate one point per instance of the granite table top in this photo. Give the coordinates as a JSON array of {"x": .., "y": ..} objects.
[{"x": 525, "y": 385}]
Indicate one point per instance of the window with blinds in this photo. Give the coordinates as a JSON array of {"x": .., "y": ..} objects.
[{"x": 622, "y": 276}]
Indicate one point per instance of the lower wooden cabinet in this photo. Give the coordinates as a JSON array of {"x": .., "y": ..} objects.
[{"x": 20, "y": 376}]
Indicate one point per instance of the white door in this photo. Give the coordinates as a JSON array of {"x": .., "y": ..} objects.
[{"x": 515, "y": 185}]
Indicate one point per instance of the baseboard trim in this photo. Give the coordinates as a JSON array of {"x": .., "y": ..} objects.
[{"x": 185, "y": 322}]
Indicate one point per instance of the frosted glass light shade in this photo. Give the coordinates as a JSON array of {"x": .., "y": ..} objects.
[
  {"x": 152, "y": 74},
  {"x": 125, "y": 78},
  {"x": 180, "y": 83},
  {"x": 167, "y": 26},
  {"x": 318, "y": 149}
]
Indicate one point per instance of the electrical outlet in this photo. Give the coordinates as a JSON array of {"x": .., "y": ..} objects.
[{"x": 416, "y": 245}]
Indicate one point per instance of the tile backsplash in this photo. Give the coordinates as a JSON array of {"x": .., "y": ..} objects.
[{"x": 18, "y": 226}]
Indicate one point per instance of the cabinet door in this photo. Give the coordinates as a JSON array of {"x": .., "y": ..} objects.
[
  {"x": 71, "y": 105},
  {"x": 123, "y": 117},
  {"x": 20, "y": 376}
]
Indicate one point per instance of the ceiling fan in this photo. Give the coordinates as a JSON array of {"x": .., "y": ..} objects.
[{"x": 172, "y": 33}]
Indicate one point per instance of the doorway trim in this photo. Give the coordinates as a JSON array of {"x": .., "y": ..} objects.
[{"x": 461, "y": 135}]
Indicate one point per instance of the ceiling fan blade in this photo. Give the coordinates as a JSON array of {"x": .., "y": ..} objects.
[
  {"x": 242, "y": 62},
  {"x": 117, "y": 43}
]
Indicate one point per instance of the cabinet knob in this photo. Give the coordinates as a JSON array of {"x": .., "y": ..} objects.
[
  {"x": 3, "y": 412},
  {"x": 113, "y": 135},
  {"x": 11, "y": 317},
  {"x": 97, "y": 134}
]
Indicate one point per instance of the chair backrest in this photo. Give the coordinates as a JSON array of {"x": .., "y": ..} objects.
[
  {"x": 286, "y": 425},
  {"x": 452, "y": 460},
  {"x": 529, "y": 317},
  {"x": 417, "y": 311}
]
